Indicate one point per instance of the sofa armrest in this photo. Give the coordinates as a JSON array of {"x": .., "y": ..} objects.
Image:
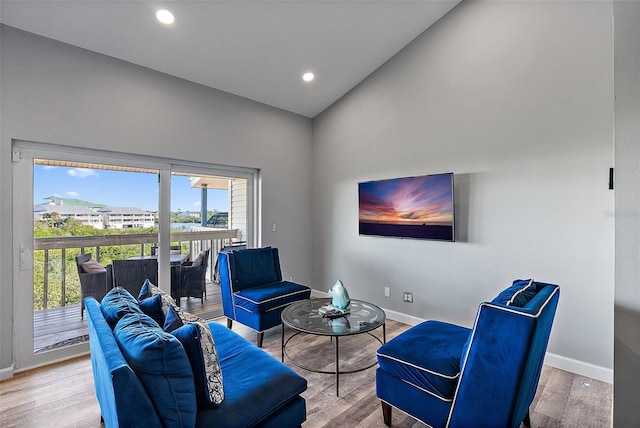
[{"x": 122, "y": 398}]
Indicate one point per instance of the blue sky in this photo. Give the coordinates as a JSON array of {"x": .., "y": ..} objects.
[{"x": 120, "y": 189}]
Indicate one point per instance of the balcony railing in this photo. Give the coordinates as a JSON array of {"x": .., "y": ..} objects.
[{"x": 57, "y": 256}]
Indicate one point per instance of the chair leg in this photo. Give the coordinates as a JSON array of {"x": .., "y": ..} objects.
[
  {"x": 386, "y": 413},
  {"x": 259, "y": 339},
  {"x": 229, "y": 323},
  {"x": 527, "y": 420}
]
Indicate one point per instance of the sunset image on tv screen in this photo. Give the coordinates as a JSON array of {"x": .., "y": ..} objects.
[{"x": 411, "y": 207}]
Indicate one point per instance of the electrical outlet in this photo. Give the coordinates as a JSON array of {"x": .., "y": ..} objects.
[
  {"x": 407, "y": 297},
  {"x": 387, "y": 292}
]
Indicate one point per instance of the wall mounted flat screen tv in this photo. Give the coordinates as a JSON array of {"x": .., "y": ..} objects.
[{"x": 411, "y": 207}]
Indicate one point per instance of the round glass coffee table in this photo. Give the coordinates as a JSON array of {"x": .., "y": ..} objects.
[{"x": 304, "y": 317}]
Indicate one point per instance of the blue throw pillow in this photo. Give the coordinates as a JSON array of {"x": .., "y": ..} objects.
[
  {"x": 145, "y": 291},
  {"x": 150, "y": 290},
  {"x": 197, "y": 340},
  {"x": 254, "y": 267},
  {"x": 521, "y": 297},
  {"x": 176, "y": 318},
  {"x": 162, "y": 365},
  {"x": 117, "y": 303},
  {"x": 172, "y": 321},
  {"x": 519, "y": 294},
  {"x": 152, "y": 306}
]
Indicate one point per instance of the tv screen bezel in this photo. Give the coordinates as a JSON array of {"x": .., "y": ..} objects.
[{"x": 410, "y": 236}]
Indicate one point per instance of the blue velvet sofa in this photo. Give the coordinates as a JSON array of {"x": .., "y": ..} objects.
[
  {"x": 451, "y": 376},
  {"x": 252, "y": 289},
  {"x": 144, "y": 377}
]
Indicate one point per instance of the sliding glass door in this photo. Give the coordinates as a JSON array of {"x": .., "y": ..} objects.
[
  {"x": 108, "y": 206},
  {"x": 82, "y": 217}
]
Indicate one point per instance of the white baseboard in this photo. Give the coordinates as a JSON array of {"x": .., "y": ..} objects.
[
  {"x": 581, "y": 368},
  {"x": 403, "y": 318},
  {"x": 563, "y": 363},
  {"x": 6, "y": 373}
]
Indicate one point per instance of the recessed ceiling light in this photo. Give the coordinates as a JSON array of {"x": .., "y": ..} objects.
[
  {"x": 165, "y": 16},
  {"x": 308, "y": 77}
]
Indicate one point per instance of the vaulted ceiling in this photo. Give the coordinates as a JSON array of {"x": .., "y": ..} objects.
[{"x": 254, "y": 49}]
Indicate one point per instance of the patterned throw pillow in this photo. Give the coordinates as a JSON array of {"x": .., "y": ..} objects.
[
  {"x": 197, "y": 340},
  {"x": 185, "y": 316}
]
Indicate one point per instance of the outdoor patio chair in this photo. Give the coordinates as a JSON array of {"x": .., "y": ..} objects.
[
  {"x": 131, "y": 274},
  {"x": 95, "y": 280},
  {"x": 193, "y": 277}
]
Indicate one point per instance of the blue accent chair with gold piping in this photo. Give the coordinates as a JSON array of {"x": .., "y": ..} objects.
[
  {"x": 446, "y": 375},
  {"x": 252, "y": 289}
]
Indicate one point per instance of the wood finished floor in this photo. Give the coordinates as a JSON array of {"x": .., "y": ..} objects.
[{"x": 62, "y": 395}]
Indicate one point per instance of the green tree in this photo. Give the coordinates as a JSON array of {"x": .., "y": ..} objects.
[{"x": 54, "y": 226}]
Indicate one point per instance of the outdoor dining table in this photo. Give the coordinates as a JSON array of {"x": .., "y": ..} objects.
[{"x": 176, "y": 259}]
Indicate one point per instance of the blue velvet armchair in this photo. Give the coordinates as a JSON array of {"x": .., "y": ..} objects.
[
  {"x": 450, "y": 376},
  {"x": 252, "y": 289}
]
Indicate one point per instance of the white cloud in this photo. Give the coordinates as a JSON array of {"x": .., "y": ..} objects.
[
  {"x": 72, "y": 194},
  {"x": 81, "y": 172},
  {"x": 197, "y": 203}
]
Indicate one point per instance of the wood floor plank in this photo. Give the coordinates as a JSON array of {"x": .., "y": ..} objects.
[
  {"x": 555, "y": 393},
  {"x": 585, "y": 400}
]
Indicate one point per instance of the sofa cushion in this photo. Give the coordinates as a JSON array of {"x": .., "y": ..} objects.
[
  {"x": 426, "y": 356},
  {"x": 256, "y": 385},
  {"x": 117, "y": 303},
  {"x": 198, "y": 342},
  {"x": 162, "y": 365},
  {"x": 254, "y": 267},
  {"x": 266, "y": 297},
  {"x": 518, "y": 294}
]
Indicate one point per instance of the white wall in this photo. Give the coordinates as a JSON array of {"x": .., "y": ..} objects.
[
  {"x": 55, "y": 93},
  {"x": 515, "y": 98}
]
